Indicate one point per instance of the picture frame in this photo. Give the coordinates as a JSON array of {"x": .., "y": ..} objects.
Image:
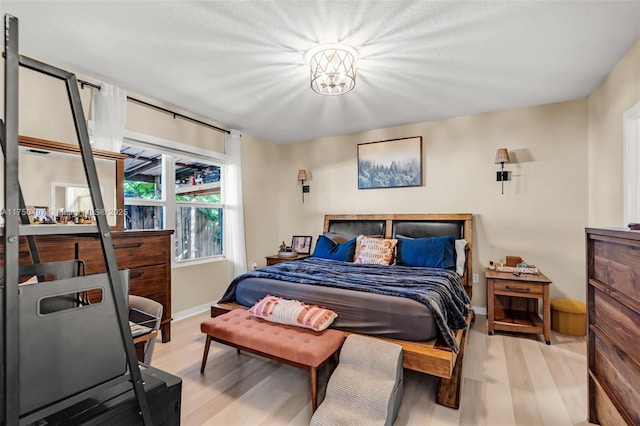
[
  {"x": 391, "y": 163},
  {"x": 301, "y": 244},
  {"x": 37, "y": 213}
]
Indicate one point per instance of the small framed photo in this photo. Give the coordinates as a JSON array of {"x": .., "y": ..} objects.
[
  {"x": 40, "y": 213},
  {"x": 301, "y": 244}
]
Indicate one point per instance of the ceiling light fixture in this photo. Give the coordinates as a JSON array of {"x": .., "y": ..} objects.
[{"x": 333, "y": 68}]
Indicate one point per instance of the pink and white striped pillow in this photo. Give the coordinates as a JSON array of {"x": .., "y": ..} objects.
[{"x": 292, "y": 312}]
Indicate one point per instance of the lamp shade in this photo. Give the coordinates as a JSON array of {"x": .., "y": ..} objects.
[
  {"x": 502, "y": 156},
  {"x": 302, "y": 175}
]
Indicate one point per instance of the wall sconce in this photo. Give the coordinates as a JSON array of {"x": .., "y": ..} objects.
[
  {"x": 502, "y": 156},
  {"x": 302, "y": 176}
]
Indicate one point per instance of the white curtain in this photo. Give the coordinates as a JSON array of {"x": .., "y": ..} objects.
[
  {"x": 234, "y": 243},
  {"x": 108, "y": 110}
]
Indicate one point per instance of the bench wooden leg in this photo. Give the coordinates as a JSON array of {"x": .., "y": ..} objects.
[
  {"x": 206, "y": 354},
  {"x": 314, "y": 390}
]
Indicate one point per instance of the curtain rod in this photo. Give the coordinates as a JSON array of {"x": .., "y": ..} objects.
[{"x": 83, "y": 83}]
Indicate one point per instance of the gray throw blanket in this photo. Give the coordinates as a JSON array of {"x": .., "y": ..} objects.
[{"x": 440, "y": 290}]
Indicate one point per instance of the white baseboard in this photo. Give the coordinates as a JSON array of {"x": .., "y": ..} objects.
[
  {"x": 479, "y": 310},
  {"x": 192, "y": 311}
]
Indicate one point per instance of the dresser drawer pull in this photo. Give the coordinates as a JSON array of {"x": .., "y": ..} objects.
[
  {"x": 135, "y": 274},
  {"x": 620, "y": 353},
  {"x": 127, "y": 245},
  {"x": 521, "y": 290}
]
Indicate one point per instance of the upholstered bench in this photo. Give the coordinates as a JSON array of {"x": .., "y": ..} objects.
[{"x": 297, "y": 346}]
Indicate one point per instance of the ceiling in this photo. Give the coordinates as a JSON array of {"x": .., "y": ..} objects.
[{"x": 241, "y": 63}]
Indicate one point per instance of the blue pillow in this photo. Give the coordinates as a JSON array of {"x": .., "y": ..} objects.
[
  {"x": 437, "y": 252},
  {"x": 327, "y": 249}
]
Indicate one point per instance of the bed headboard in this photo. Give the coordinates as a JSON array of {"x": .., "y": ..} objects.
[{"x": 460, "y": 225}]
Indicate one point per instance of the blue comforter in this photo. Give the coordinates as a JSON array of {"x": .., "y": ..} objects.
[{"x": 440, "y": 290}]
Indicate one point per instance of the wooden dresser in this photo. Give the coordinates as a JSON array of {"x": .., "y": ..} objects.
[
  {"x": 613, "y": 300},
  {"x": 147, "y": 255}
]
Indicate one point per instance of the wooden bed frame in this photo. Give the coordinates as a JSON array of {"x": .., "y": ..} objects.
[{"x": 432, "y": 357}]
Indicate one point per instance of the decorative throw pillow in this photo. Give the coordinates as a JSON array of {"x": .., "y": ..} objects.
[
  {"x": 437, "y": 252},
  {"x": 327, "y": 249},
  {"x": 292, "y": 312},
  {"x": 375, "y": 251},
  {"x": 359, "y": 241},
  {"x": 460, "y": 256}
]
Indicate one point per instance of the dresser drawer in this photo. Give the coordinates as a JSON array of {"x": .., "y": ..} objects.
[
  {"x": 148, "y": 280},
  {"x": 605, "y": 412},
  {"x": 132, "y": 253},
  {"x": 517, "y": 287},
  {"x": 619, "y": 375},
  {"x": 618, "y": 322},
  {"x": 617, "y": 265}
]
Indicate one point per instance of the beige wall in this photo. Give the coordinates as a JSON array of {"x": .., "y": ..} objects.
[
  {"x": 617, "y": 93},
  {"x": 153, "y": 122},
  {"x": 197, "y": 285},
  {"x": 541, "y": 217},
  {"x": 261, "y": 190},
  {"x": 44, "y": 110}
]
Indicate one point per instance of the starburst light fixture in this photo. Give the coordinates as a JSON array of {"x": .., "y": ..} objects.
[{"x": 333, "y": 68}]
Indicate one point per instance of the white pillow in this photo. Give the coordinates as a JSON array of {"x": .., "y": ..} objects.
[
  {"x": 460, "y": 256},
  {"x": 292, "y": 312}
]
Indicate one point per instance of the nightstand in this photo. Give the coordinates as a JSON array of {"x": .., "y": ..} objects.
[
  {"x": 274, "y": 259},
  {"x": 512, "y": 303}
]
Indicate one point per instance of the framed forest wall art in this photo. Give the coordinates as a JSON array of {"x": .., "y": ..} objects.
[{"x": 390, "y": 164}]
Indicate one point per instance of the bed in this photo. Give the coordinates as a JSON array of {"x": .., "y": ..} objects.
[{"x": 418, "y": 330}]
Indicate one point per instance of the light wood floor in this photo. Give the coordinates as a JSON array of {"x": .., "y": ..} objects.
[{"x": 508, "y": 380}]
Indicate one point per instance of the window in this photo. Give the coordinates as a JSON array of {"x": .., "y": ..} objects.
[
  {"x": 143, "y": 194},
  {"x": 198, "y": 210},
  {"x": 190, "y": 201},
  {"x": 631, "y": 122}
]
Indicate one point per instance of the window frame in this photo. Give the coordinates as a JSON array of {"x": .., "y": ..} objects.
[
  {"x": 171, "y": 150},
  {"x": 631, "y": 164}
]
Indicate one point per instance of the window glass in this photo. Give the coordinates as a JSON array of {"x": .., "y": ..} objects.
[
  {"x": 198, "y": 232},
  {"x": 197, "y": 182},
  {"x": 143, "y": 217},
  {"x": 142, "y": 173},
  {"x": 193, "y": 207},
  {"x": 198, "y": 209}
]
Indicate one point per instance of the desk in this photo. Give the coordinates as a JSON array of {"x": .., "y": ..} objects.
[
  {"x": 512, "y": 303},
  {"x": 139, "y": 343}
]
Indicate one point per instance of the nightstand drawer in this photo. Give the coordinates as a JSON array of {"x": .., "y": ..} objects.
[
  {"x": 525, "y": 288},
  {"x": 275, "y": 259}
]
